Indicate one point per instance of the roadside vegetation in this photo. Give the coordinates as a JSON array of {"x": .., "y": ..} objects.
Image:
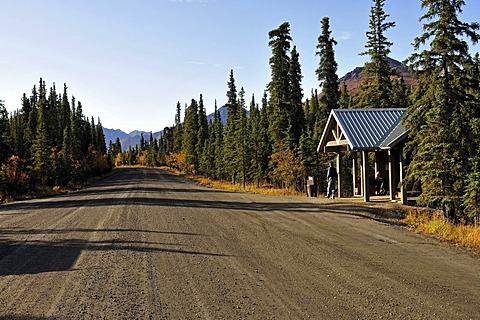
[
  {"x": 249, "y": 188},
  {"x": 48, "y": 146},
  {"x": 434, "y": 222}
]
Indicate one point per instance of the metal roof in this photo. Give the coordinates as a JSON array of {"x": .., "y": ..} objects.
[{"x": 366, "y": 128}]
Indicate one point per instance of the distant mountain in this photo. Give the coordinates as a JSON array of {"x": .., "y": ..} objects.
[
  {"x": 112, "y": 134},
  {"x": 128, "y": 139},
  {"x": 355, "y": 78},
  {"x": 223, "y": 115},
  {"x": 133, "y": 138}
]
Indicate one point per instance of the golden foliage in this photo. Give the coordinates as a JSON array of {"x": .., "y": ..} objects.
[
  {"x": 250, "y": 188},
  {"x": 177, "y": 160},
  {"x": 14, "y": 178},
  {"x": 433, "y": 222},
  {"x": 287, "y": 168}
]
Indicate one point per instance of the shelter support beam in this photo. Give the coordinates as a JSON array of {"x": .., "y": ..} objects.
[
  {"x": 391, "y": 175},
  {"x": 340, "y": 174},
  {"x": 403, "y": 190},
  {"x": 366, "y": 184},
  {"x": 354, "y": 174}
]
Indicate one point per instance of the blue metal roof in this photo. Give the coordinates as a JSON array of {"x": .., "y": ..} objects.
[{"x": 367, "y": 128}]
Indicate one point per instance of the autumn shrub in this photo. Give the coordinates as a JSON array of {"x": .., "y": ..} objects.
[{"x": 14, "y": 178}]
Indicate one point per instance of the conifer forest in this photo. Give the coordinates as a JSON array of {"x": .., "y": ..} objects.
[
  {"x": 272, "y": 140},
  {"x": 48, "y": 143}
]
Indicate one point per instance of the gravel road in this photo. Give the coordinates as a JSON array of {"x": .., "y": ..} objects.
[{"x": 146, "y": 244}]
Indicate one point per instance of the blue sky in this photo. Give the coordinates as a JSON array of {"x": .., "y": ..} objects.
[{"x": 130, "y": 61}]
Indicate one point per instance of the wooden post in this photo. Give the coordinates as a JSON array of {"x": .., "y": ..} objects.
[
  {"x": 340, "y": 174},
  {"x": 354, "y": 172},
  {"x": 403, "y": 190},
  {"x": 391, "y": 174},
  {"x": 366, "y": 184}
]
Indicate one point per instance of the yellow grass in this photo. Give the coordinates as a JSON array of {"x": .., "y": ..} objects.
[
  {"x": 431, "y": 222},
  {"x": 250, "y": 188}
]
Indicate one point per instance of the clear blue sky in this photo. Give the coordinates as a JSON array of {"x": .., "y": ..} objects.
[{"x": 130, "y": 61}]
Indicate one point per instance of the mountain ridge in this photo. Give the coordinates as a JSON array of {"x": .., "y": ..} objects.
[{"x": 133, "y": 138}]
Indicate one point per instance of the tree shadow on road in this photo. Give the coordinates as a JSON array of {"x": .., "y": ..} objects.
[
  {"x": 38, "y": 256},
  {"x": 24, "y": 317},
  {"x": 379, "y": 214}
]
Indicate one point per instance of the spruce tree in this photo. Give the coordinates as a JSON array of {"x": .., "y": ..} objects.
[
  {"x": 217, "y": 135},
  {"x": 256, "y": 143},
  {"x": 177, "y": 131},
  {"x": 31, "y": 107},
  {"x": 443, "y": 111},
  {"x": 230, "y": 142},
  {"x": 5, "y": 134},
  {"x": 75, "y": 132},
  {"x": 375, "y": 92},
  {"x": 327, "y": 69},
  {"x": 297, "y": 114},
  {"x": 242, "y": 157},
  {"x": 143, "y": 145},
  {"x": 100, "y": 145},
  {"x": 279, "y": 86},
  {"x": 52, "y": 118},
  {"x": 66, "y": 123},
  {"x": 17, "y": 134},
  {"x": 264, "y": 145},
  {"x": 202, "y": 127},
  {"x": 41, "y": 145},
  {"x": 190, "y": 137}
]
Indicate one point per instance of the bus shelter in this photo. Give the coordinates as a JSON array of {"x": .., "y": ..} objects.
[{"x": 361, "y": 132}]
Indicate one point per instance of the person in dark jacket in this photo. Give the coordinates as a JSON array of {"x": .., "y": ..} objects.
[{"x": 332, "y": 177}]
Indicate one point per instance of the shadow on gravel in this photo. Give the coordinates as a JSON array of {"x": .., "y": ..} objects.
[
  {"x": 32, "y": 257},
  {"x": 379, "y": 214},
  {"x": 22, "y": 317},
  {"x": 136, "y": 189}
]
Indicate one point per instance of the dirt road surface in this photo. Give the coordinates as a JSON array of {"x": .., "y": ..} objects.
[{"x": 146, "y": 244}]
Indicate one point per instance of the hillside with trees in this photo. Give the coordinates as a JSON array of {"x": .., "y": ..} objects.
[
  {"x": 48, "y": 143},
  {"x": 276, "y": 143}
]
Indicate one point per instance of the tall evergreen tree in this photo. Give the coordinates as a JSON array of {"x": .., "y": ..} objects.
[
  {"x": 297, "y": 114},
  {"x": 100, "y": 145},
  {"x": 217, "y": 135},
  {"x": 190, "y": 137},
  {"x": 17, "y": 134},
  {"x": 375, "y": 92},
  {"x": 202, "y": 127},
  {"x": 264, "y": 144},
  {"x": 177, "y": 131},
  {"x": 327, "y": 69},
  {"x": 5, "y": 137},
  {"x": 279, "y": 85},
  {"x": 441, "y": 117},
  {"x": 31, "y": 107},
  {"x": 230, "y": 142},
  {"x": 41, "y": 145},
  {"x": 66, "y": 123},
  {"x": 75, "y": 129},
  {"x": 255, "y": 143},
  {"x": 242, "y": 158}
]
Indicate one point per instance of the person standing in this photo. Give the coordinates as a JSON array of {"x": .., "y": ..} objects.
[{"x": 332, "y": 177}]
